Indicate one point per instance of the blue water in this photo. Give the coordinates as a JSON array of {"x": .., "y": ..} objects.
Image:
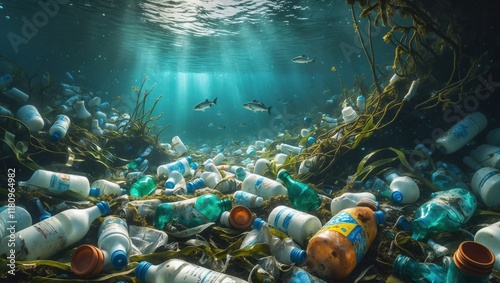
[{"x": 236, "y": 51}]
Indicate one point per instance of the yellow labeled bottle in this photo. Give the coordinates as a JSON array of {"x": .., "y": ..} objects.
[{"x": 335, "y": 250}]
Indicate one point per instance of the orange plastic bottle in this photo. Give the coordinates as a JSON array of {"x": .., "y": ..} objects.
[{"x": 335, "y": 250}]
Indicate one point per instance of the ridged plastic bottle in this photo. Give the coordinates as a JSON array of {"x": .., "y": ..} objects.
[
  {"x": 335, "y": 250},
  {"x": 143, "y": 187},
  {"x": 302, "y": 196},
  {"x": 192, "y": 212},
  {"x": 177, "y": 271},
  {"x": 298, "y": 225},
  {"x": 58, "y": 183},
  {"x": 445, "y": 211},
  {"x": 114, "y": 241},
  {"x": 418, "y": 271},
  {"x": 260, "y": 185},
  {"x": 52, "y": 235}
]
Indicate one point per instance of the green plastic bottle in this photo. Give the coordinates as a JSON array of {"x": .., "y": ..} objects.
[
  {"x": 445, "y": 211},
  {"x": 419, "y": 271},
  {"x": 192, "y": 212},
  {"x": 143, "y": 187},
  {"x": 302, "y": 196}
]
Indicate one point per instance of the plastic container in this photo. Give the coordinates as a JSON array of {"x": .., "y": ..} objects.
[
  {"x": 444, "y": 180},
  {"x": 486, "y": 185},
  {"x": 472, "y": 263},
  {"x": 240, "y": 217},
  {"x": 279, "y": 158},
  {"x": 177, "y": 270},
  {"x": 4, "y": 112},
  {"x": 407, "y": 187},
  {"x": 347, "y": 200},
  {"x": 289, "y": 149},
  {"x": 298, "y": 225},
  {"x": 173, "y": 178},
  {"x": 489, "y": 236},
  {"x": 143, "y": 208},
  {"x": 192, "y": 212},
  {"x": 261, "y": 186},
  {"x": 493, "y": 137},
  {"x": 361, "y": 103},
  {"x": 59, "y": 128},
  {"x": 487, "y": 155},
  {"x": 81, "y": 111},
  {"x": 143, "y": 187},
  {"x": 461, "y": 133},
  {"x": 13, "y": 219},
  {"x": 251, "y": 150},
  {"x": 59, "y": 183},
  {"x": 52, "y": 235},
  {"x": 87, "y": 261},
  {"x": 194, "y": 185},
  {"x": 302, "y": 196},
  {"x": 28, "y": 114},
  {"x": 307, "y": 165},
  {"x": 260, "y": 165},
  {"x": 16, "y": 94},
  {"x": 114, "y": 241},
  {"x": 416, "y": 271},
  {"x": 335, "y": 250},
  {"x": 445, "y": 211},
  {"x": 380, "y": 188},
  {"x": 5, "y": 81},
  {"x": 107, "y": 188},
  {"x": 178, "y": 146},
  {"x": 349, "y": 115},
  {"x": 217, "y": 160},
  {"x": 248, "y": 199},
  {"x": 181, "y": 166}
]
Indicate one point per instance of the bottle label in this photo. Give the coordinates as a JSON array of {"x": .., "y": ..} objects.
[
  {"x": 199, "y": 274},
  {"x": 48, "y": 228},
  {"x": 187, "y": 212},
  {"x": 59, "y": 182},
  {"x": 459, "y": 131},
  {"x": 287, "y": 215},
  {"x": 347, "y": 225}
]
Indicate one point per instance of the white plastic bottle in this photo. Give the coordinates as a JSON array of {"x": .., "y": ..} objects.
[
  {"x": 59, "y": 128},
  {"x": 493, "y": 137},
  {"x": 485, "y": 182},
  {"x": 57, "y": 183},
  {"x": 52, "y": 235},
  {"x": 178, "y": 270},
  {"x": 181, "y": 166},
  {"x": 461, "y": 133},
  {"x": 487, "y": 155},
  {"x": 307, "y": 164},
  {"x": 30, "y": 116},
  {"x": 405, "y": 185},
  {"x": 178, "y": 146},
  {"x": 260, "y": 165},
  {"x": 4, "y": 112},
  {"x": 17, "y": 94},
  {"x": 173, "y": 178},
  {"x": 248, "y": 199},
  {"x": 347, "y": 200},
  {"x": 13, "y": 219},
  {"x": 107, "y": 188},
  {"x": 490, "y": 237},
  {"x": 262, "y": 186},
  {"x": 298, "y": 225},
  {"x": 114, "y": 241},
  {"x": 217, "y": 160}
]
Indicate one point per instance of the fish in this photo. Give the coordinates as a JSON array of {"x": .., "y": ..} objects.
[
  {"x": 257, "y": 106},
  {"x": 302, "y": 59},
  {"x": 204, "y": 105}
]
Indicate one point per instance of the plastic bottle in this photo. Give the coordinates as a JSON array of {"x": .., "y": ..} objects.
[
  {"x": 192, "y": 212},
  {"x": 472, "y": 263},
  {"x": 279, "y": 158},
  {"x": 16, "y": 94},
  {"x": 335, "y": 250},
  {"x": 81, "y": 111},
  {"x": 493, "y": 137},
  {"x": 461, "y": 133},
  {"x": 59, "y": 128},
  {"x": 302, "y": 196},
  {"x": 194, "y": 185},
  {"x": 217, "y": 160},
  {"x": 380, "y": 188},
  {"x": 13, "y": 219},
  {"x": 299, "y": 275},
  {"x": 58, "y": 183},
  {"x": 177, "y": 270},
  {"x": 50, "y": 236},
  {"x": 260, "y": 165},
  {"x": 298, "y": 225},
  {"x": 43, "y": 213},
  {"x": 419, "y": 271},
  {"x": 349, "y": 115},
  {"x": 444, "y": 180},
  {"x": 178, "y": 146},
  {"x": 28, "y": 114},
  {"x": 4, "y": 112},
  {"x": 361, "y": 103},
  {"x": 251, "y": 150},
  {"x": 405, "y": 185},
  {"x": 143, "y": 208},
  {"x": 114, "y": 241},
  {"x": 485, "y": 182},
  {"x": 239, "y": 217},
  {"x": 445, "y": 211},
  {"x": 5, "y": 80},
  {"x": 489, "y": 236},
  {"x": 181, "y": 166},
  {"x": 347, "y": 200},
  {"x": 289, "y": 149},
  {"x": 248, "y": 199},
  {"x": 173, "y": 178},
  {"x": 260, "y": 185},
  {"x": 143, "y": 187},
  {"x": 487, "y": 155},
  {"x": 107, "y": 188}
]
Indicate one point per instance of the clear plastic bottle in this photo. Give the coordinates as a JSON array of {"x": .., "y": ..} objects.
[
  {"x": 298, "y": 225},
  {"x": 444, "y": 180},
  {"x": 108, "y": 188},
  {"x": 177, "y": 270},
  {"x": 192, "y": 212},
  {"x": 59, "y": 128},
  {"x": 361, "y": 103},
  {"x": 52, "y": 235},
  {"x": 143, "y": 208},
  {"x": 335, "y": 250},
  {"x": 381, "y": 188},
  {"x": 143, "y": 187},
  {"x": 445, "y": 211},
  {"x": 347, "y": 200},
  {"x": 419, "y": 271},
  {"x": 260, "y": 185},
  {"x": 114, "y": 241},
  {"x": 181, "y": 166},
  {"x": 59, "y": 183},
  {"x": 302, "y": 196}
]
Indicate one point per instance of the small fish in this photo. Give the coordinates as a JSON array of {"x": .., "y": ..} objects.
[
  {"x": 221, "y": 127},
  {"x": 204, "y": 105},
  {"x": 219, "y": 113},
  {"x": 302, "y": 59},
  {"x": 257, "y": 106}
]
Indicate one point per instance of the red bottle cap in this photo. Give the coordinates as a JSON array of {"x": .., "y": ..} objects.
[
  {"x": 87, "y": 261},
  {"x": 240, "y": 217}
]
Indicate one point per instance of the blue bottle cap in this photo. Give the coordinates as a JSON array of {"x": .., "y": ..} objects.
[
  {"x": 403, "y": 223},
  {"x": 189, "y": 159},
  {"x": 142, "y": 269},
  {"x": 94, "y": 192},
  {"x": 397, "y": 197},
  {"x": 298, "y": 256},
  {"x": 44, "y": 215},
  {"x": 379, "y": 217},
  {"x": 103, "y": 207},
  {"x": 310, "y": 141},
  {"x": 258, "y": 223},
  {"x": 169, "y": 184},
  {"x": 123, "y": 191},
  {"x": 119, "y": 259},
  {"x": 55, "y": 136},
  {"x": 194, "y": 165},
  {"x": 190, "y": 188}
]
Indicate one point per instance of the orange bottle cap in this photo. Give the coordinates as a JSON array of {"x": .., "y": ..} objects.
[
  {"x": 240, "y": 217},
  {"x": 87, "y": 261},
  {"x": 474, "y": 258}
]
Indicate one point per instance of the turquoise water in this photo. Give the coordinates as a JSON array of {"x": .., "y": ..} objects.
[{"x": 236, "y": 51}]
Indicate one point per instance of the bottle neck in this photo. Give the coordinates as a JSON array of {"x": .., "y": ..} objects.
[{"x": 474, "y": 258}]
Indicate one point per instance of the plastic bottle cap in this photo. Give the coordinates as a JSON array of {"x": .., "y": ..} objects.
[
  {"x": 258, "y": 223},
  {"x": 55, "y": 136},
  {"x": 189, "y": 159},
  {"x": 44, "y": 215},
  {"x": 372, "y": 204},
  {"x": 397, "y": 197},
  {"x": 298, "y": 256},
  {"x": 240, "y": 217},
  {"x": 87, "y": 261},
  {"x": 474, "y": 258},
  {"x": 310, "y": 141},
  {"x": 119, "y": 259},
  {"x": 141, "y": 270},
  {"x": 123, "y": 191},
  {"x": 194, "y": 165},
  {"x": 169, "y": 184},
  {"x": 282, "y": 171},
  {"x": 403, "y": 223},
  {"x": 379, "y": 217},
  {"x": 103, "y": 207},
  {"x": 94, "y": 192}
]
